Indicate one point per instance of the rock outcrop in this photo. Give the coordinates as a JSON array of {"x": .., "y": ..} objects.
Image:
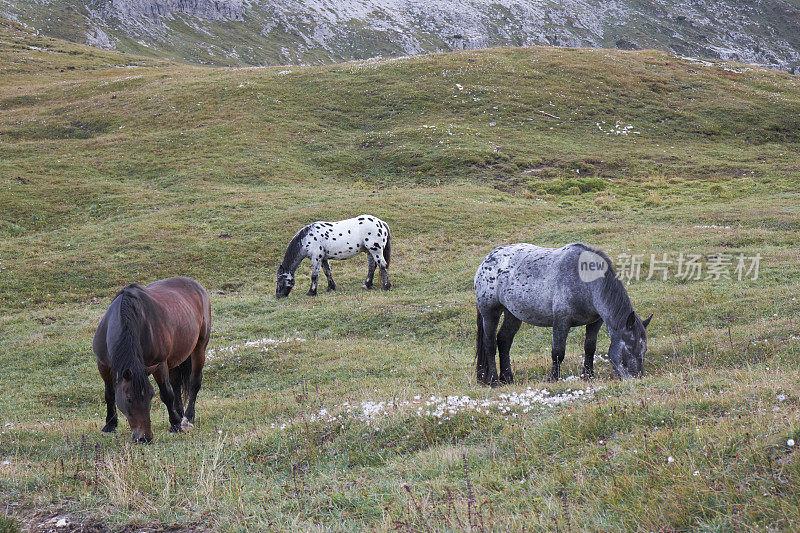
[
  {"x": 258, "y": 32},
  {"x": 157, "y": 10}
]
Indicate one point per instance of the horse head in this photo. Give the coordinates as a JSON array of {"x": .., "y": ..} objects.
[
  {"x": 285, "y": 282},
  {"x": 628, "y": 346},
  {"x": 133, "y": 395}
]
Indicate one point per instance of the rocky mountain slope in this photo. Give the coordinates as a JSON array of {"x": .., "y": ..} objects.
[{"x": 258, "y": 32}]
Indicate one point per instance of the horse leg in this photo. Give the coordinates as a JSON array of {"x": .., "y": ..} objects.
[
  {"x": 378, "y": 258},
  {"x": 386, "y": 285},
  {"x": 315, "y": 264},
  {"x": 371, "y": 266},
  {"x": 176, "y": 381},
  {"x": 167, "y": 395},
  {"x": 326, "y": 268},
  {"x": 589, "y": 347},
  {"x": 111, "y": 402},
  {"x": 560, "y": 332},
  {"x": 505, "y": 337},
  {"x": 195, "y": 382},
  {"x": 488, "y": 374}
]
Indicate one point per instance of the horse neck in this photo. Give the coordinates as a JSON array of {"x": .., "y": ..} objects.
[
  {"x": 127, "y": 351},
  {"x": 611, "y": 301},
  {"x": 294, "y": 263},
  {"x": 294, "y": 252}
]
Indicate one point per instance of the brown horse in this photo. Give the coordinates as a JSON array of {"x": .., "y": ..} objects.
[{"x": 161, "y": 329}]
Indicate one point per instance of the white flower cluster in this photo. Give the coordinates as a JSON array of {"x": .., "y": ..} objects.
[
  {"x": 619, "y": 128},
  {"x": 264, "y": 344},
  {"x": 444, "y": 407}
]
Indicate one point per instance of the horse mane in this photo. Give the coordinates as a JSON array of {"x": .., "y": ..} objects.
[
  {"x": 135, "y": 305},
  {"x": 612, "y": 290},
  {"x": 290, "y": 258}
]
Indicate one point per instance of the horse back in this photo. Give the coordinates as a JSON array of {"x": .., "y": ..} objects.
[
  {"x": 534, "y": 283},
  {"x": 177, "y": 318},
  {"x": 185, "y": 318},
  {"x": 185, "y": 304},
  {"x": 170, "y": 291},
  {"x": 346, "y": 238}
]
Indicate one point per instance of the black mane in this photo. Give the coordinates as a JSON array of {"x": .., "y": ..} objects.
[
  {"x": 617, "y": 298},
  {"x": 619, "y": 304},
  {"x": 612, "y": 291},
  {"x": 290, "y": 258},
  {"x": 133, "y": 338}
]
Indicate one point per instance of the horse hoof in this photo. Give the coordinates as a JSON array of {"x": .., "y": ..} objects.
[
  {"x": 366, "y": 287},
  {"x": 491, "y": 381},
  {"x": 185, "y": 424},
  {"x": 331, "y": 288},
  {"x": 507, "y": 379},
  {"x": 108, "y": 428},
  {"x": 309, "y": 293},
  {"x": 387, "y": 286},
  {"x": 175, "y": 429}
]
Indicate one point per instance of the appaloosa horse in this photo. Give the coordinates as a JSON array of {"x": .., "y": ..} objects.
[
  {"x": 321, "y": 241},
  {"x": 161, "y": 329},
  {"x": 559, "y": 288}
]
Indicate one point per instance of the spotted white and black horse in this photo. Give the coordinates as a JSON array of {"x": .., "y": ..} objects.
[
  {"x": 321, "y": 241},
  {"x": 559, "y": 288}
]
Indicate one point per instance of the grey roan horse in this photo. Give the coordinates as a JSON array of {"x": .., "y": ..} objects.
[{"x": 560, "y": 288}]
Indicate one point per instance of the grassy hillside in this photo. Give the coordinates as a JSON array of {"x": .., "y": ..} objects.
[{"x": 117, "y": 168}]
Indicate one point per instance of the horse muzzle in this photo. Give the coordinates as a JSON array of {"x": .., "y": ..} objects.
[
  {"x": 621, "y": 372},
  {"x": 626, "y": 374},
  {"x": 144, "y": 439}
]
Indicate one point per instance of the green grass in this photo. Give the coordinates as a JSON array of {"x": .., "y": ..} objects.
[{"x": 117, "y": 168}]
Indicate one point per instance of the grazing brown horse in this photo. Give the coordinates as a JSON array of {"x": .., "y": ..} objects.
[{"x": 161, "y": 329}]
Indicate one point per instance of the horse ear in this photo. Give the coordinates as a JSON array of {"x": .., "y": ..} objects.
[
  {"x": 631, "y": 320},
  {"x": 127, "y": 374},
  {"x": 646, "y": 322},
  {"x": 152, "y": 368}
]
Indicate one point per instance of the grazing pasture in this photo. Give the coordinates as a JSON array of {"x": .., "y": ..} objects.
[{"x": 359, "y": 409}]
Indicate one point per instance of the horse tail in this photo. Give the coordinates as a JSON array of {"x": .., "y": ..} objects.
[
  {"x": 180, "y": 377},
  {"x": 480, "y": 353},
  {"x": 387, "y": 250}
]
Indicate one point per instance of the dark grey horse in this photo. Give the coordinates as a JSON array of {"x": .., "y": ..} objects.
[{"x": 560, "y": 288}]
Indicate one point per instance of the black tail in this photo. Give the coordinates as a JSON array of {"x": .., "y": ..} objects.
[
  {"x": 180, "y": 377},
  {"x": 480, "y": 353},
  {"x": 387, "y": 250}
]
